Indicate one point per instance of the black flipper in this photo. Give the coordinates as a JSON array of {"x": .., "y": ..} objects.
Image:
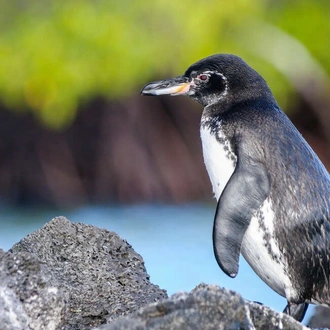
[
  {"x": 297, "y": 311},
  {"x": 244, "y": 193}
]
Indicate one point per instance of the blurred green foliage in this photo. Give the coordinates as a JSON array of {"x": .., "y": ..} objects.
[{"x": 55, "y": 55}]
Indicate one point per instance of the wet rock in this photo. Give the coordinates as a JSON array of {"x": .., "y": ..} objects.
[
  {"x": 97, "y": 274},
  {"x": 206, "y": 307}
]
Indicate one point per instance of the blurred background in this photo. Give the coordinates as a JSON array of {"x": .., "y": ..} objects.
[{"x": 76, "y": 137}]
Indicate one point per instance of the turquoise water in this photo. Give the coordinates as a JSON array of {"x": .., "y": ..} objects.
[{"x": 175, "y": 242}]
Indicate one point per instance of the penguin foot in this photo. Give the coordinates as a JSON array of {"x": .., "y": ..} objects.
[{"x": 297, "y": 311}]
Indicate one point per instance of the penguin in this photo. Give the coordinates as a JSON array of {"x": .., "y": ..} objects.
[{"x": 272, "y": 190}]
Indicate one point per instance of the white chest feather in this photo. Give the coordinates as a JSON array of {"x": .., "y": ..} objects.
[
  {"x": 261, "y": 250},
  {"x": 259, "y": 247},
  {"x": 218, "y": 158}
]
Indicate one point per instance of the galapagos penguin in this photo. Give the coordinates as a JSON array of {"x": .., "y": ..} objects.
[{"x": 272, "y": 189}]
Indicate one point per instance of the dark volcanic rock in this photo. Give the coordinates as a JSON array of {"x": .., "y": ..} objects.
[
  {"x": 98, "y": 274},
  {"x": 264, "y": 318},
  {"x": 27, "y": 301},
  {"x": 206, "y": 307},
  {"x": 69, "y": 276}
]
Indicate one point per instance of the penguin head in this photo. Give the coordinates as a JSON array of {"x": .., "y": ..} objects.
[{"x": 217, "y": 78}]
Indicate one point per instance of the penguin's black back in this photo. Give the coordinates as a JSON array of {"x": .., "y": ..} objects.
[{"x": 300, "y": 188}]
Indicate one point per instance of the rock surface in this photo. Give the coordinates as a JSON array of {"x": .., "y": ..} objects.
[
  {"x": 85, "y": 275},
  {"x": 74, "y": 276},
  {"x": 26, "y": 299},
  {"x": 207, "y": 307}
]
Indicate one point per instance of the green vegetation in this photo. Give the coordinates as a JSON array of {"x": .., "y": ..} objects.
[{"x": 55, "y": 55}]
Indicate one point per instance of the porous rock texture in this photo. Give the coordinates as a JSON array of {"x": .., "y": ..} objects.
[
  {"x": 80, "y": 275},
  {"x": 74, "y": 276},
  {"x": 27, "y": 301},
  {"x": 207, "y": 307}
]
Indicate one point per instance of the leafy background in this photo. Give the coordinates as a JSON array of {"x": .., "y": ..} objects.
[{"x": 56, "y": 55}]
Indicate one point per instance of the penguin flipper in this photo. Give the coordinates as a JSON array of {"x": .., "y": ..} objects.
[{"x": 244, "y": 193}]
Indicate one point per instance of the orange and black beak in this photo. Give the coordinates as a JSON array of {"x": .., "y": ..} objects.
[{"x": 173, "y": 86}]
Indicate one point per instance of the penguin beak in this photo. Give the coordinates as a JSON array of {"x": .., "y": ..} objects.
[{"x": 173, "y": 86}]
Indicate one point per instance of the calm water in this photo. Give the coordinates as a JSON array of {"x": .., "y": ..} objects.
[{"x": 175, "y": 242}]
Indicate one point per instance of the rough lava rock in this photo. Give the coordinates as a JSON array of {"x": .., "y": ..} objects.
[
  {"x": 26, "y": 299},
  {"x": 69, "y": 276},
  {"x": 207, "y": 307},
  {"x": 97, "y": 274}
]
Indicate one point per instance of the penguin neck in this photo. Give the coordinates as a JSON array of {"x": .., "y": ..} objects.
[
  {"x": 217, "y": 108},
  {"x": 245, "y": 99}
]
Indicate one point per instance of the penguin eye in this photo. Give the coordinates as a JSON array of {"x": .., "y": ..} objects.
[{"x": 203, "y": 77}]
